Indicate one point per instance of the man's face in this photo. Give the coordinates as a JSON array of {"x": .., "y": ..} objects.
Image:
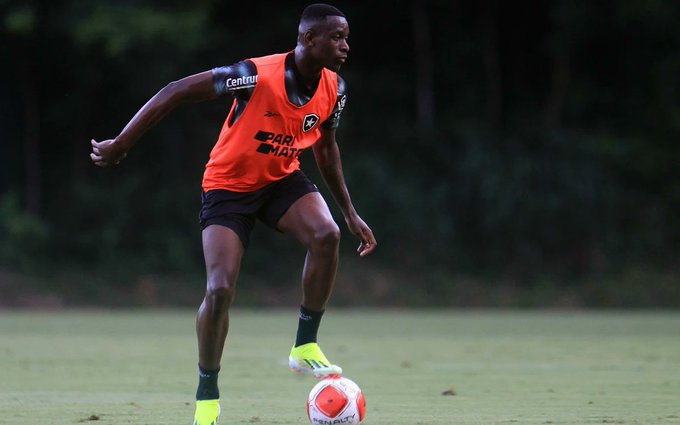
[{"x": 329, "y": 44}]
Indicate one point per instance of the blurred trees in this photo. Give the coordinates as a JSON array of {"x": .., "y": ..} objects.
[{"x": 514, "y": 142}]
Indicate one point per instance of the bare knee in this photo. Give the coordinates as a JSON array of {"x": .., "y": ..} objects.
[
  {"x": 220, "y": 291},
  {"x": 326, "y": 239}
]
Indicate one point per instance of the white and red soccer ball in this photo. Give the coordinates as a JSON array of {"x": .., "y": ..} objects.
[{"x": 336, "y": 400}]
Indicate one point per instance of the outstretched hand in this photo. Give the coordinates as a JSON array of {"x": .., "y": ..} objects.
[
  {"x": 368, "y": 243},
  {"x": 106, "y": 153}
]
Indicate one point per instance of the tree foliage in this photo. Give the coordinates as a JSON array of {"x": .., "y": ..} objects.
[{"x": 496, "y": 139}]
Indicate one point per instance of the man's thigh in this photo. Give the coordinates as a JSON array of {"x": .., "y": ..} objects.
[
  {"x": 282, "y": 195},
  {"x": 307, "y": 217},
  {"x": 223, "y": 251}
]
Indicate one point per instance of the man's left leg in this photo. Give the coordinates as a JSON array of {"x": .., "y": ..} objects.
[{"x": 310, "y": 221}]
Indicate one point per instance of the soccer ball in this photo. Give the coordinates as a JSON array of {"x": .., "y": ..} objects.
[{"x": 336, "y": 400}]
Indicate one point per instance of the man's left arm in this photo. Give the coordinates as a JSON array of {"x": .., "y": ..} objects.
[{"x": 327, "y": 155}]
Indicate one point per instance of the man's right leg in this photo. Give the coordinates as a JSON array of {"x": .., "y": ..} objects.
[{"x": 223, "y": 251}]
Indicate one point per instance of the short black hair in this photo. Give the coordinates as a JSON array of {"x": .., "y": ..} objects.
[{"x": 319, "y": 11}]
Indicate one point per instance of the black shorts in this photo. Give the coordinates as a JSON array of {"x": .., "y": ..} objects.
[{"x": 238, "y": 210}]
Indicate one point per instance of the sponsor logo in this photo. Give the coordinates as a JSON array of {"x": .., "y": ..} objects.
[
  {"x": 342, "y": 102},
  {"x": 344, "y": 420},
  {"x": 309, "y": 122},
  {"x": 241, "y": 82},
  {"x": 270, "y": 114},
  {"x": 277, "y": 144}
]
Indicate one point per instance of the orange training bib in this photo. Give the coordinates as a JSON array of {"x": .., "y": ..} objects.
[{"x": 264, "y": 144}]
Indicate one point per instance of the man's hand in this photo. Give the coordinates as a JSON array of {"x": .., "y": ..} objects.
[
  {"x": 357, "y": 226},
  {"x": 106, "y": 153}
]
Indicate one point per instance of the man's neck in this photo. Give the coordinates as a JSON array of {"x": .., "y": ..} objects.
[{"x": 307, "y": 72}]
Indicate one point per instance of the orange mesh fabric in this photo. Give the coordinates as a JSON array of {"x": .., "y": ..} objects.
[{"x": 264, "y": 144}]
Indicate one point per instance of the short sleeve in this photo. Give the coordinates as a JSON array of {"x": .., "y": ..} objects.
[
  {"x": 334, "y": 120},
  {"x": 235, "y": 80}
]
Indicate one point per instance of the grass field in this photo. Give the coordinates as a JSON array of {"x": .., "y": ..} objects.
[{"x": 504, "y": 367}]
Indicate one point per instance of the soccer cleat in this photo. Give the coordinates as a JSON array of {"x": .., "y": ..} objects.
[
  {"x": 309, "y": 358},
  {"x": 207, "y": 412}
]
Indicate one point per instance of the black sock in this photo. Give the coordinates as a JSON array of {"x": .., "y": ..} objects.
[
  {"x": 207, "y": 384},
  {"x": 308, "y": 326}
]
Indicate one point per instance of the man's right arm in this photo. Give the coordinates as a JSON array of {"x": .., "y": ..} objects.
[{"x": 195, "y": 88}]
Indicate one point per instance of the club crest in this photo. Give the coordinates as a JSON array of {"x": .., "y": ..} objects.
[{"x": 309, "y": 122}]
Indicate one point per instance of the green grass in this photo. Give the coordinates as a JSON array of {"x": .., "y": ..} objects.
[{"x": 504, "y": 367}]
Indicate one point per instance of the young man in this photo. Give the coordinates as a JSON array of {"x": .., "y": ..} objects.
[{"x": 283, "y": 104}]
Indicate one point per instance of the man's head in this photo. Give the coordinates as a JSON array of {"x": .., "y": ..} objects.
[{"x": 323, "y": 33}]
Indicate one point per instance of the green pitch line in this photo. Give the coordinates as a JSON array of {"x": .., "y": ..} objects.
[{"x": 415, "y": 367}]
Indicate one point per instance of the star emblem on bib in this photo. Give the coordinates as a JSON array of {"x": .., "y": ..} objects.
[{"x": 309, "y": 122}]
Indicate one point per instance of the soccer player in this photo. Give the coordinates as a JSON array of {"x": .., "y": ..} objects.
[{"x": 282, "y": 105}]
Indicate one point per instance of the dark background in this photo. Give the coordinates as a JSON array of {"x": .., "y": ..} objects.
[{"x": 508, "y": 154}]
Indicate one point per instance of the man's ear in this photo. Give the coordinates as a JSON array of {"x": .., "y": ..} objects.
[{"x": 308, "y": 37}]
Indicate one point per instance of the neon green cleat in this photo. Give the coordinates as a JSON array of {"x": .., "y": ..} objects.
[
  {"x": 309, "y": 358},
  {"x": 207, "y": 412}
]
